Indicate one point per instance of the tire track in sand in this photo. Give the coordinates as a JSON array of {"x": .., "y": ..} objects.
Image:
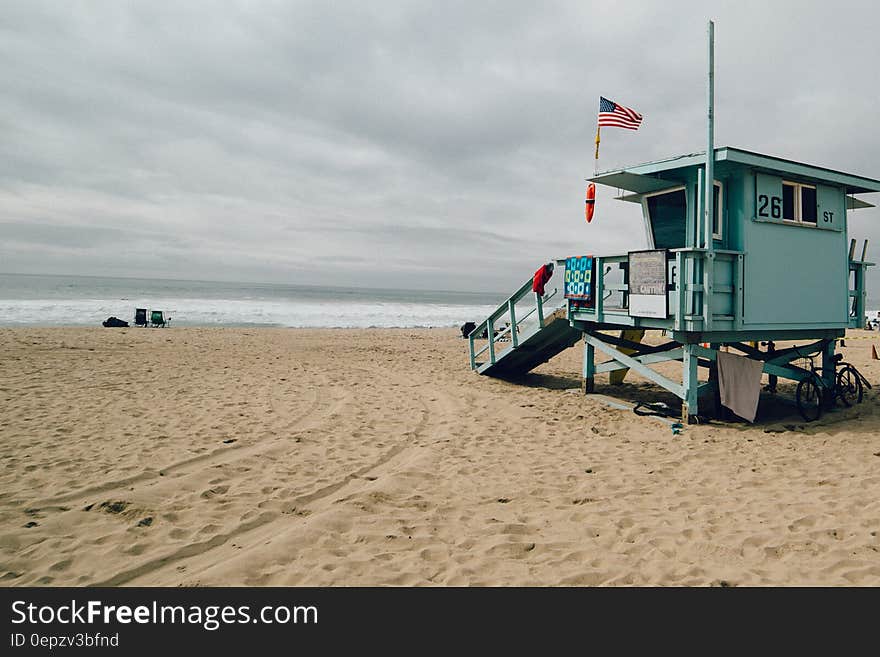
[
  {"x": 267, "y": 523},
  {"x": 213, "y": 457}
]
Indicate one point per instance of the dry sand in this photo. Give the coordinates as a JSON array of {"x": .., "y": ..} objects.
[{"x": 336, "y": 457}]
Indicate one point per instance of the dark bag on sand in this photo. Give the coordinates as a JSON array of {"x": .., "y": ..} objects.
[
  {"x": 114, "y": 322},
  {"x": 466, "y": 329}
]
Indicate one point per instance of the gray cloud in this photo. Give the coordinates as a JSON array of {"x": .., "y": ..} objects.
[{"x": 434, "y": 144}]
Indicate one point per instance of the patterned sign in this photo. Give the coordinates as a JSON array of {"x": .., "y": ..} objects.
[{"x": 579, "y": 278}]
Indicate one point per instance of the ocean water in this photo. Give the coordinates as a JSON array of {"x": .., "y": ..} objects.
[{"x": 27, "y": 300}]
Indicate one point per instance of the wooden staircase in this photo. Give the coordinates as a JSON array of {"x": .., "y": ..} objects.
[{"x": 522, "y": 343}]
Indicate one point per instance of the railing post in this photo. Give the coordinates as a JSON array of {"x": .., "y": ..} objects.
[
  {"x": 511, "y": 307},
  {"x": 471, "y": 346},
  {"x": 599, "y": 287},
  {"x": 539, "y": 301},
  {"x": 708, "y": 288},
  {"x": 738, "y": 268},
  {"x": 678, "y": 322},
  {"x": 490, "y": 333},
  {"x": 861, "y": 295}
]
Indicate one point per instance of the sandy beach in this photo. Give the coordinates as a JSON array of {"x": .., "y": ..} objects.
[{"x": 190, "y": 456}]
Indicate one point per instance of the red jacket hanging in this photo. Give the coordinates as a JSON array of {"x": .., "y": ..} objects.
[{"x": 541, "y": 277}]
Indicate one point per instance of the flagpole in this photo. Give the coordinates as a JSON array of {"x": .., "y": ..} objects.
[
  {"x": 596, "y": 166},
  {"x": 709, "y": 188}
]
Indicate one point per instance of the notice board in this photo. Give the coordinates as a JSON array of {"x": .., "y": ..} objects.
[{"x": 648, "y": 284}]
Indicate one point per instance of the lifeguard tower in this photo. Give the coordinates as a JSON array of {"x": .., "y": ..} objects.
[
  {"x": 777, "y": 267},
  {"x": 769, "y": 261}
]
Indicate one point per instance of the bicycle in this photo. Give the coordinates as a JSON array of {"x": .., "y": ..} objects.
[
  {"x": 814, "y": 393},
  {"x": 851, "y": 383}
]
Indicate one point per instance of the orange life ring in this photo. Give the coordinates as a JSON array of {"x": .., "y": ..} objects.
[{"x": 590, "y": 202}]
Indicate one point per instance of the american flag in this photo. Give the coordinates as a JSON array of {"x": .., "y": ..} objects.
[{"x": 617, "y": 116}]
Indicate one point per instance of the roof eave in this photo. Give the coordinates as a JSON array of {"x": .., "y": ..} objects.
[{"x": 853, "y": 184}]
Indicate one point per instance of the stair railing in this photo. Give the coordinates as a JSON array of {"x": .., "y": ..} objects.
[{"x": 506, "y": 312}]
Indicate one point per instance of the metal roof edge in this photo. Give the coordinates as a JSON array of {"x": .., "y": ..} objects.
[{"x": 855, "y": 184}]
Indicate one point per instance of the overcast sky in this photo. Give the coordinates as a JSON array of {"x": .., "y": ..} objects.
[{"x": 394, "y": 144}]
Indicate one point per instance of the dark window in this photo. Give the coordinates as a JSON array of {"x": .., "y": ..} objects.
[
  {"x": 716, "y": 210},
  {"x": 667, "y": 215},
  {"x": 788, "y": 202},
  {"x": 808, "y": 205}
]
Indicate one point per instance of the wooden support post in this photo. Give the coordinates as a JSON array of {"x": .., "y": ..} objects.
[
  {"x": 690, "y": 383},
  {"x": 713, "y": 379},
  {"x": 772, "y": 379},
  {"x": 828, "y": 364},
  {"x": 471, "y": 346},
  {"x": 589, "y": 373}
]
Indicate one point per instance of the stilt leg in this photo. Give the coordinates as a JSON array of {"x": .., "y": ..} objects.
[
  {"x": 772, "y": 379},
  {"x": 828, "y": 364},
  {"x": 589, "y": 373},
  {"x": 713, "y": 379},
  {"x": 690, "y": 383}
]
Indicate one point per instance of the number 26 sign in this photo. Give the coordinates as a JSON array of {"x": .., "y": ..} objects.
[{"x": 775, "y": 204}]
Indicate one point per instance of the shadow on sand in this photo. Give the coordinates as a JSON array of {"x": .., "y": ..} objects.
[{"x": 777, "y": 413}]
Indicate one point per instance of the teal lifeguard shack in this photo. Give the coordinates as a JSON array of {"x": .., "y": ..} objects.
[
  {"x": 776, "y": 264},
  {"x": 742, "y": 249}
]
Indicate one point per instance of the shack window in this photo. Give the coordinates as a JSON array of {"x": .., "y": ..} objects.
[
  {"x": 788, "y": 193},
  {"x": 667, "y": 212},
  {"x": 799, "y": 203},
  {"x": 808, "y": 204}
]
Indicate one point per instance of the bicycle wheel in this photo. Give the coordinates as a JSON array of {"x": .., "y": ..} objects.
[
  {"x": 827, "y": 392},
  {"x": 809, "y": 399},
  {"x": 849, "y": 386}
]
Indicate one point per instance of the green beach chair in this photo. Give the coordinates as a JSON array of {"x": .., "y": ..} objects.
[{"x": 157, "y": 318}]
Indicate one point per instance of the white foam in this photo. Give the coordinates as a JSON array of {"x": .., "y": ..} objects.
[{"x": 226, "y": 312}]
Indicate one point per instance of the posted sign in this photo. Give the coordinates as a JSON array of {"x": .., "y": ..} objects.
[{"x": 648, "y": 284}]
